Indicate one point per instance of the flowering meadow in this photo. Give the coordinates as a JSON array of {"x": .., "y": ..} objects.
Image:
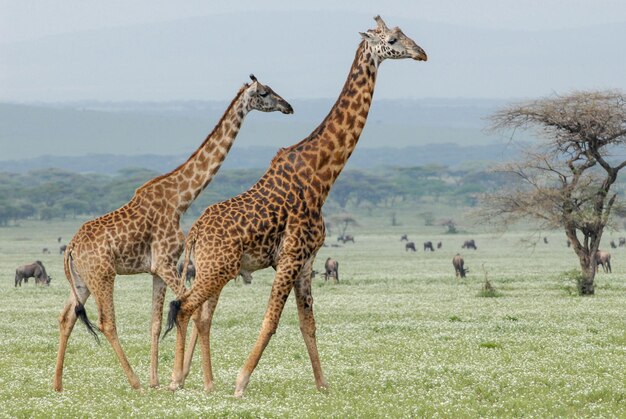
[{"x": 399, "y": 336}]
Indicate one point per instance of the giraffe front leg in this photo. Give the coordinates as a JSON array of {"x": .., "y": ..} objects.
[
  {"x": 191, "y": 347},
  {"x": 166, "y": 270},
  {"x": 106, "y": 314},
  {"x": 304, "y": 301},
  {"x": 283, "y": 283},
  {"x": 158, "y": 297},
  {"x": 181, "y": 332}
]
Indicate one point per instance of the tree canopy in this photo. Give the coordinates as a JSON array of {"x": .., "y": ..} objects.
[{"x": 567, "y": 180}]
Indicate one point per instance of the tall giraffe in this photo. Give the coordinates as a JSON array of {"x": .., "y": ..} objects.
[
  {"x": 278, "y": 221},
  {"x": 144, "y": 236}
]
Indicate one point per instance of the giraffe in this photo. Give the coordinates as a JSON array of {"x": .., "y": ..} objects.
[
  {"x": 144, "y": 236},
  {"x": 278, "y": 221}
]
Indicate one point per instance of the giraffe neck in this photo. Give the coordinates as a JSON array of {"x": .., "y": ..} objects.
[
  {"x": 326, "y": 151},
  {"x": 183, "y": 185}
]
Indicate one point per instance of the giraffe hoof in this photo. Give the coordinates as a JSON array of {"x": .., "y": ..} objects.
[
  {"x": 209, "y": 387},
  {"x": 323, "y": 386},
  {"x": 242, "y": 383},
  {"x": 174, "y": 386}
]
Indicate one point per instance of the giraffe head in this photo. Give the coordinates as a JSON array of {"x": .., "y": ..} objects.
[
  {"x": 263, "y": 98},
  {"x": 391, "y": 43}
]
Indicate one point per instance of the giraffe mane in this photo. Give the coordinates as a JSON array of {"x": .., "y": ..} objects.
[{"x": 195, "y": 153}]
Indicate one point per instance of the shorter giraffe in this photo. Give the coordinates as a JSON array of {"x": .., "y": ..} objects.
[
  {"x": 144, "y": 236},
  {"x": 278, "y": 222}
]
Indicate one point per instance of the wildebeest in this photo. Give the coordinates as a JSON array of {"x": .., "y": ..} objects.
[
  {"x": 409, "y": 246},
  {"x": 404, "y": 238},
  {"x": 613, "y": 245},
  {"x": 545, "y": 240},
  {"x": 622, "y": 241},
  {"x": 191, "y": 271},
  {"x": 569, "y": 243},
  {"x": 246, "y": 276},
  {"x": 45, "y": 251},
  {"x": 458, "y": 262},
  {"x": 346, "y": 238},
  {"x": 62, "y": 249},
  {"x": 603, "y": 259},
  {"x": 469, "y": 244},
  {"x": 58, "y": 239},
  {"x": 439, "y": 245},
  {"x": 331, "y": 269},
  {"x": 36, "y": 270},
  {"x": 429, "y": 246}
]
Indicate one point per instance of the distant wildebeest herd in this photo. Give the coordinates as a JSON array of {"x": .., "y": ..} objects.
[{"x": 603, "y": 259}]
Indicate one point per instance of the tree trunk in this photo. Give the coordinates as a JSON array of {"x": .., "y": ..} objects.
[{"x": 586, "y": 284}]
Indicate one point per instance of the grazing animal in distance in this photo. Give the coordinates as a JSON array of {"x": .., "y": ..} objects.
[
  {"x": 45, "y": 251},
  {"x": 32, "y": 270},
  {"x": 569, "y": 243},
  {"x": 190, "y": 273},
  {"x": 439, "y": 245},
  {"x": 622, "y": 241},
  {"x": 331, "y": 269},
  {"x": 404, "y": 238},
  {"x": 458, "y": 262},
  {"x": 613, "y": 245},
  {"x": 144, "y": 235},
  {"x": 545, "y": 240},
  {"x": 603, "y": 259},
  {"x": 429, "y": 246},
  {"x": 278, "y": 222},
  {"x": 409, "y": 246},
  {"x": 469, "y": 244},
  {"x": 346, "y": 238},
  {"x": 58, "y": 239},
  {"x": 62, "y": 248}
]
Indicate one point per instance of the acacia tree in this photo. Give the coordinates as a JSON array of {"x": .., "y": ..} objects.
[{"x": 565, "y": 181}]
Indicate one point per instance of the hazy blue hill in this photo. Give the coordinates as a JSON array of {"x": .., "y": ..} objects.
[
  {"x": 177, "y": 128},
  {"x": 452, "y": 155}
]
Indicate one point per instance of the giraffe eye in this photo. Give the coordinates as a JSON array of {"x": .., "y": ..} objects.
[
  {"x": 263, "y": 94},
  {"x": 391, "y": 41}
]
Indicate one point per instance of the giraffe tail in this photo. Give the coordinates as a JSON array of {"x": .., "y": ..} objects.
[
  {"x": 79, "y": 309},
  {"x": 172, "y": 315}
]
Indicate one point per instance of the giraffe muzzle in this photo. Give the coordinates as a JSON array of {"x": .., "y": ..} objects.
[{"x": 419, "y": 55}]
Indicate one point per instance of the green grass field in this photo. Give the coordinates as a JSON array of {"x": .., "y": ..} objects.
[{"x": 399, "y": 336}]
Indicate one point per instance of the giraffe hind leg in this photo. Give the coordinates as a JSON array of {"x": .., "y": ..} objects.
[{"x": 67, "y": 320}]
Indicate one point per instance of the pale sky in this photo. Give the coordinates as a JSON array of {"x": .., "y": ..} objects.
[
  {"x": 72, "y": 50},
  {"x": 27, "y": 19}
]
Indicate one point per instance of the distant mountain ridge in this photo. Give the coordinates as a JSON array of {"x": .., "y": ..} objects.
[
  {"x": 451, "y": 155},
  {"x": 177, "y": 128}
]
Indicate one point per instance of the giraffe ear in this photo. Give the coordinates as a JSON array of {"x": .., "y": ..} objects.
[{"x": 369, "y": 38}]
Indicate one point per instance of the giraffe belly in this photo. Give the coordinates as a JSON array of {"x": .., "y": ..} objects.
[{"x": 251, "y": 262}]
